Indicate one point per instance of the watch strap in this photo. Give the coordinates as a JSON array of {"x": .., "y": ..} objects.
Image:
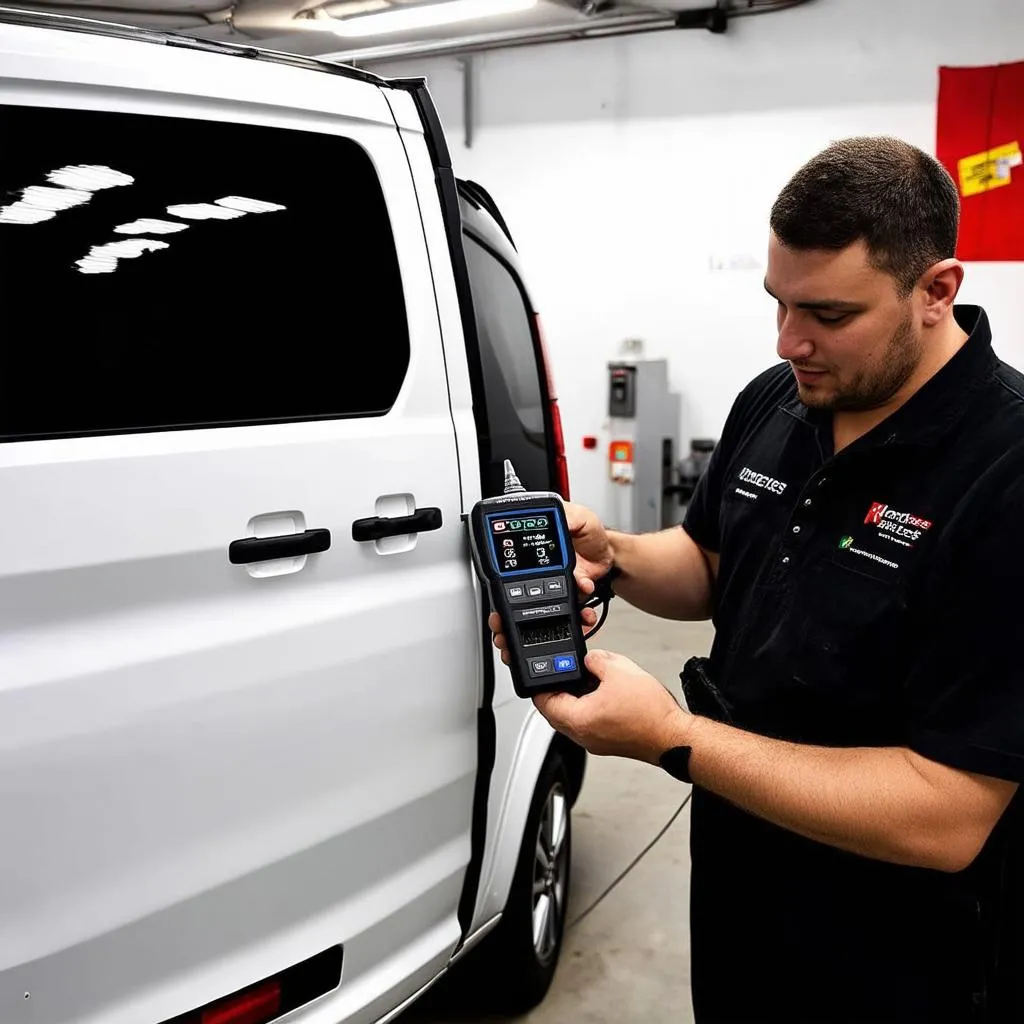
[{"x": 676, "y": 761}]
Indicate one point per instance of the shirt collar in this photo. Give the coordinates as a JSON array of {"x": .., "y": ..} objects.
[{"x": 934, "y": 408}]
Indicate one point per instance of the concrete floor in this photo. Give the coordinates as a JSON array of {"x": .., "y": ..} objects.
[{"x": 627, "y": 958}]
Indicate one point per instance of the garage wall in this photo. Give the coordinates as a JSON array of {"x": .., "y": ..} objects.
[{"x": 637, "y": 176}]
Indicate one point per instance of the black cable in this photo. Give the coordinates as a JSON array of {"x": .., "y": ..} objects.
[
  {"x": 601, "y": 621},
  {"x": 602, "y": 595},
  {"x": 636, "y": 860}
]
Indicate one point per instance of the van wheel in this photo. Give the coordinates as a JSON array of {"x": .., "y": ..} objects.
[{"x": 520, "y": 957}]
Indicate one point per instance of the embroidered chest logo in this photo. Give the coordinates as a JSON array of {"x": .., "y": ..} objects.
[
  {"x": 762, "y": 481},
  {"x": 901, "y": 528}
]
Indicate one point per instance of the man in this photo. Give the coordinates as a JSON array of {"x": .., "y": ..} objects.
[{"x": 859, "y": 734}]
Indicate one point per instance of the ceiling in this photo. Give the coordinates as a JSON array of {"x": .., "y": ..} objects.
[{"x": 307, "y": 26}]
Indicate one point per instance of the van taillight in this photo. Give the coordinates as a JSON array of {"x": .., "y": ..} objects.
[
  {"x": 558, "y": 437},
  {"x": 561, "y": 464},
  {"x": 273, "y": 997},
  {"x": 254, "y": 1006}
]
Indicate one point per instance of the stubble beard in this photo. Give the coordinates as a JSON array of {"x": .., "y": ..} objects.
[{"x": 871, "y": 389}]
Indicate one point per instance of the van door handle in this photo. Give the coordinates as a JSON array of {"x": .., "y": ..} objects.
[
  {"x": 423, "y": 520},
  {"x": 288, "y": 545}
]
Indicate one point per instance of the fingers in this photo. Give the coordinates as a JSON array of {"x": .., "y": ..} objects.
[
  {"x": 494, "y": 625},
  {"x": 555, "y": 707},
  {"x": 575, "y": 516},
  {"x": 498, "y": 638},
  {"x": 585, "y": 585},
  {"x": 540, "y": 702},
  {"x": 599, "y": 661}
]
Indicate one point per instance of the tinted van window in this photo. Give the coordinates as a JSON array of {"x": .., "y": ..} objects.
[
  {"x": 161, "y": 273},
  {"x": 503, "y": 324},
  {"x": 511, "y": 370}
]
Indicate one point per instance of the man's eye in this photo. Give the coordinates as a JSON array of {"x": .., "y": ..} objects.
[{"x": 834, "y": 318}]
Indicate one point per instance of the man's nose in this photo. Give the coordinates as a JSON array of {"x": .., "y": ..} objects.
[{"x": 794, "y": 344}]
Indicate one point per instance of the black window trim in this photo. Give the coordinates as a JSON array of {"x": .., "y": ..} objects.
[{"x": 479, "y": 198}]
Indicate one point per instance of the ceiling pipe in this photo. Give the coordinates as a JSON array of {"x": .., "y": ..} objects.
[{"x": 714, "y": 19}]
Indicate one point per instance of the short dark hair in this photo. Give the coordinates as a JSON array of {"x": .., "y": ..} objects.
[{"x": 898, "y": 199}]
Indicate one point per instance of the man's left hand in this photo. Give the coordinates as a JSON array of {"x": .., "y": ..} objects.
[{"x": 630, "y": 714}]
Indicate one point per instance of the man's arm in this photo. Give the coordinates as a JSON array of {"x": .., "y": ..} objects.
[
  {"x": 888, "y": 803},
  {"x": 665, "y": 574}
]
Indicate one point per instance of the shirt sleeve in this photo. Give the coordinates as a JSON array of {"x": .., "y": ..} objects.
[
  {"x": 966, "y": 691},
  {"x": 702, "y": 519}
]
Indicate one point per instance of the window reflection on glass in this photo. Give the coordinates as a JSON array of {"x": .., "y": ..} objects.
[
  {"x": 103, "y": 259},
  {"x": 69, "y": 187},
  {"x": 150, "y": 226}
]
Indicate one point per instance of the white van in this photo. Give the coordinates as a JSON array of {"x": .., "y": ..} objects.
[{"x": 261, "y": 353}]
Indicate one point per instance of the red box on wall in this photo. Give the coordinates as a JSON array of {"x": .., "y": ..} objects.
[{"x": 980, "y": 133}]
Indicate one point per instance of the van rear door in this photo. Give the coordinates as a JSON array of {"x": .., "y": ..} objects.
[{"x": 221, "y": 754}]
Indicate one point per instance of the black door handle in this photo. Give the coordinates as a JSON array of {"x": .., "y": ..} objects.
[
  {"x": 421, "y": 521},
  {"x": 288, "y": 545}
]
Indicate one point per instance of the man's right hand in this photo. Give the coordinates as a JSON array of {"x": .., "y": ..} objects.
[{"x": 593, "y": 559}]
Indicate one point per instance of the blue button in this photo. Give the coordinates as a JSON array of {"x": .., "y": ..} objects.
[{"x": 565, "y": 663}]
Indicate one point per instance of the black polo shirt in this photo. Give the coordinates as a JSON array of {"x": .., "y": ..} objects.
[{"x": 871, "y": 597}]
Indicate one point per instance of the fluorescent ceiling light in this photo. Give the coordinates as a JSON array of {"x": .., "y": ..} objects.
[{"x": 429, "y": 16}]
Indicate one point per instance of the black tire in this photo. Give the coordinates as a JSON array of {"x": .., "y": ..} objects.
[{"x": 513, "y": 971}]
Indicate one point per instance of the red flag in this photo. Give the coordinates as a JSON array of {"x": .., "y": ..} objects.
[{"x": 979, "y": 141}]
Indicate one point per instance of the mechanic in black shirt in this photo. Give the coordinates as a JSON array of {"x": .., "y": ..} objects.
[{"x": 857, "y": 736}]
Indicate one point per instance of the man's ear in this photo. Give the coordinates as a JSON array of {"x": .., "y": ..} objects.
[{"x": 939, "y": 285}]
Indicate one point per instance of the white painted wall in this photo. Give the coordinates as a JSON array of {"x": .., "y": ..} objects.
[{"x": 626, "y": 168}]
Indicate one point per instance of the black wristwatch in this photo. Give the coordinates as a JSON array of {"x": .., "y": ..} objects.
[{"x": 676, "y": 762}]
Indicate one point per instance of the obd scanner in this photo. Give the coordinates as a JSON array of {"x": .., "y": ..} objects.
[{"x": 522, "y": 551}]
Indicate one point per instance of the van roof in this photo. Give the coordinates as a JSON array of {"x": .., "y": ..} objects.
[{"x": 68, "y": 23}]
